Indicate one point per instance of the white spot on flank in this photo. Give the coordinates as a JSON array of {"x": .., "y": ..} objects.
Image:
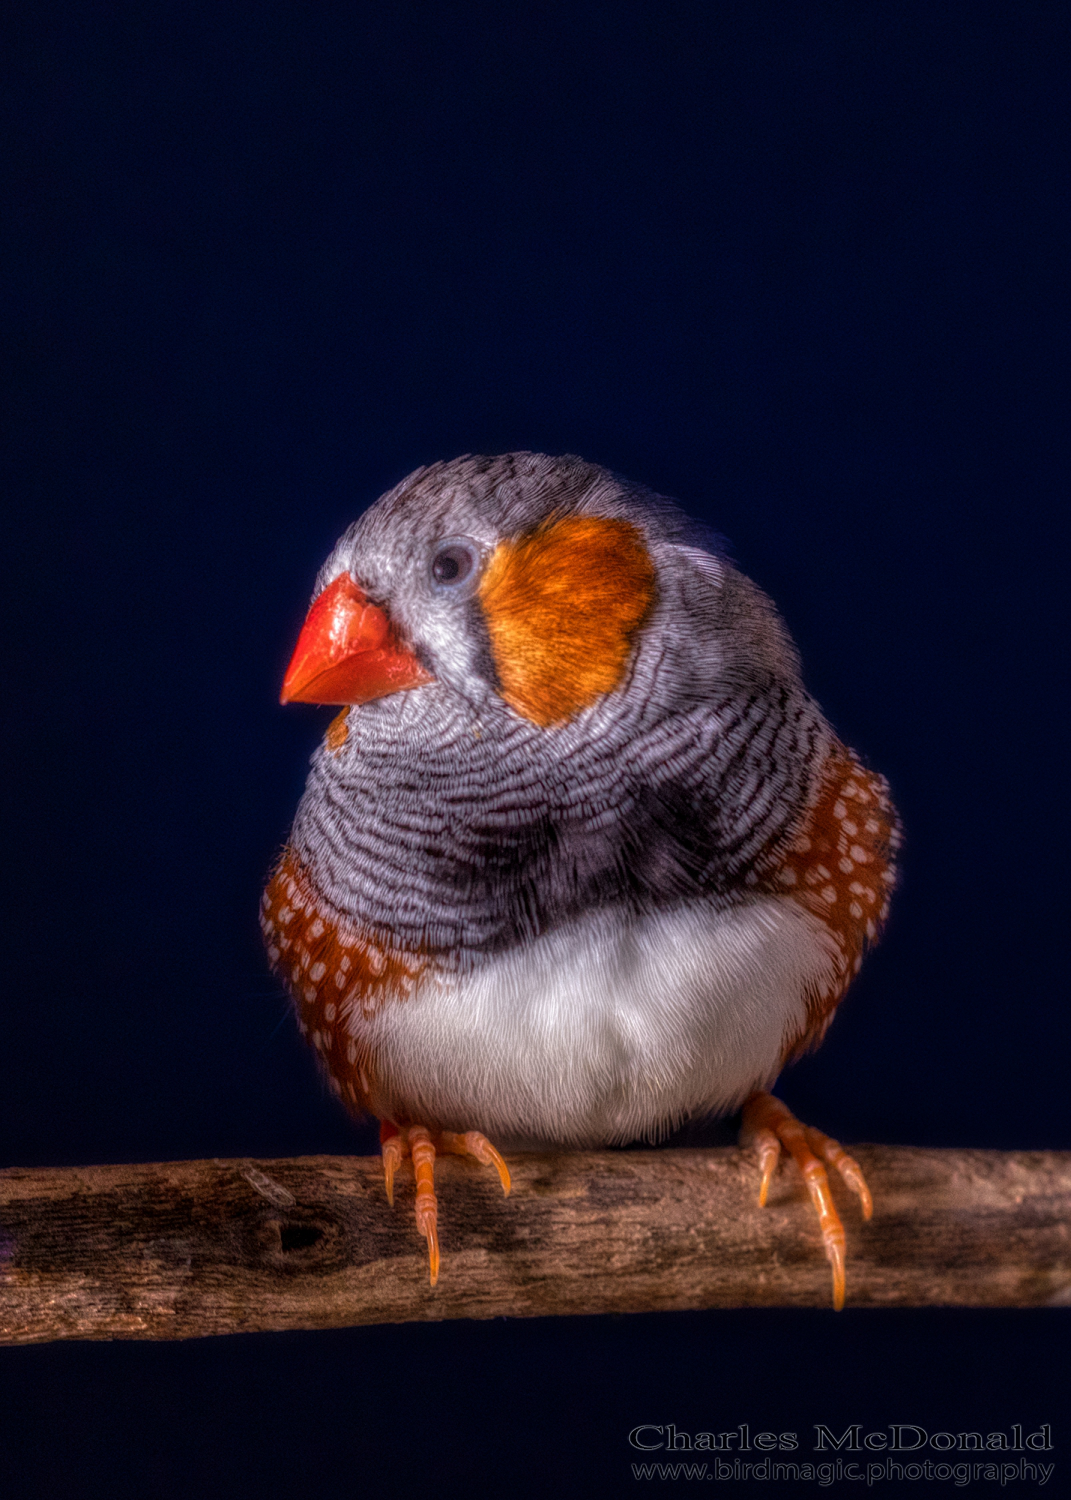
[
  {"x": 317, "y": 927},
  {"x": 340, "y": 979},
  {"x": 351, "y": 1052},
  {"x": 821, "y": 872},
  {"x": 344, "y": 964},
  {"x": 330, "y": 1012},
  {"x": 846, "y": 866},
  {"x": 839, "y": 810},
  {"x": 829, "y": 894},
  {"x": 284, "y": 916},
  {"x": 310, "y": 995},
  {"x": 855, "y": 909},
  {"x": 850, "y": 828},
  {"x": 786, "y": 877},
  {"x": 273, "y": 954},
  {"x": 317, "y": 972},
  {"x": 857, "y": 888},
  {"x": 859, "y": 854},
  {"x": 376, "y": 962}
]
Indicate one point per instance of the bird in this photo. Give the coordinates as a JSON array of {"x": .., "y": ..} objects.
[{"x": 579, "y": 859}]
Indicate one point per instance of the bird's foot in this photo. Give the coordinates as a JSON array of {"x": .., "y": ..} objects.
[
  {"x": 422, "y": 1146},
  {"x": 767, "y": 1126}
]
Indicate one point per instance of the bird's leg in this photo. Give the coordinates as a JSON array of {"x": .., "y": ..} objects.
[
  {"x": 418, "y": 1143},
  {"x": 767, "y": 1126}
]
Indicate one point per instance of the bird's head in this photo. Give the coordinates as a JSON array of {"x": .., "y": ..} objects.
[{"x": 520, "y": 577}]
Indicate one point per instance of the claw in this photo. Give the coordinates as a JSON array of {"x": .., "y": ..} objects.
[
  {"x": 393, "y": 1150},
  {"x": 769, "y": 1149},
  {"x": 472, "y": 1143}
]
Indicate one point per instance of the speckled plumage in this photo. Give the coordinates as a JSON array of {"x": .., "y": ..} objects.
[{"x": 586, "y": 932}]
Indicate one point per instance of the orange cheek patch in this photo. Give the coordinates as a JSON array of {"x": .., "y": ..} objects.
[{"x": 562, "y": 606}]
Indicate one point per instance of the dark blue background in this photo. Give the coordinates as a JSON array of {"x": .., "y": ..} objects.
[{"x": 802, "y": 266}]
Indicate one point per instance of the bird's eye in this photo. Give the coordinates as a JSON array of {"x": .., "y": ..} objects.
[{"x": 453, "y": 563}]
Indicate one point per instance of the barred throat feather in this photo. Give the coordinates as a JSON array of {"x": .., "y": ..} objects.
[{"x": 460, "y": 833}]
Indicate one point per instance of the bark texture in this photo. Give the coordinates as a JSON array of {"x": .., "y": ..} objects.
[{"x": 178, "y": 1250}]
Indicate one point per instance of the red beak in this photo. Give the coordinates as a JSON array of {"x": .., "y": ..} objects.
[{"x": 346, "y": 652}]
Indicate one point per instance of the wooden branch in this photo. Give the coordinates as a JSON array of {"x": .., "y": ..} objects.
[{"x": 181, "y": 1249}]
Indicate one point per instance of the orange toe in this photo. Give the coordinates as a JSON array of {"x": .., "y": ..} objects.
[
  {"x": 767, "y": 1126},
  {"x": 422, "y": 1150},
  {"x": 392, "y": 1147},
  {"x": 472, "y": 1143},
  {"x": 421, "y": 1146}
]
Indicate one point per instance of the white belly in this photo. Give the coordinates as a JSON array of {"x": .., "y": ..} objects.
[{"x": 603, "y": 1032}]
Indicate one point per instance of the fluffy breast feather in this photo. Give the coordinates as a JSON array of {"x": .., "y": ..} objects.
[{"x": 603, "y": 1030}]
